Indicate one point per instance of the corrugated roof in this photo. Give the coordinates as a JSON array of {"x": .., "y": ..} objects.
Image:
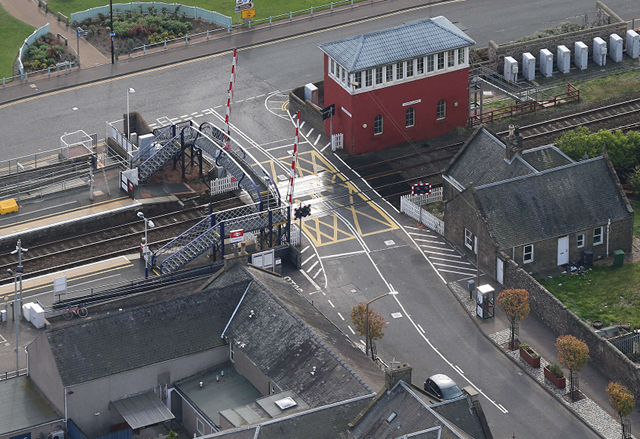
[
  {"x": 143, "y": 410},
  {"x": 387, "y": 46},
  {"x": 22, "y": 406}
]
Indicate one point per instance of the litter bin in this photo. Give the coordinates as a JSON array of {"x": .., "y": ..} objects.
[
  {"x": 471, "y": 285},
  {"x": 587, "y": 258},
  {"x": 3, "y": 315},
  {"x": 618, "y": 258}
]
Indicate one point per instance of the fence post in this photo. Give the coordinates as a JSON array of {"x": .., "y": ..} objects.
[
  {"x": 207, "y": 34},
  {"x": 186, "y": 39},
  {"x": 331, "y": 6},
  {"x": 144, "y": 49},
  {"x": 3, "y": 81},
  {"x": 229, "y": 29},
  {"x": 165, "y": 44},
  {"x": 269, "y": 19},
  {"x": 311, "y": 10},
  {"x": 352, "y": 3},
  {"x": 291, "y": 15},
  {"x": 249, "y": 23}
]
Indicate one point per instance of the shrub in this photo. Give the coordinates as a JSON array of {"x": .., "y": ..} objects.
[
  {"x": 556, "y": 370},
  {"x": 524, "y": 346}
]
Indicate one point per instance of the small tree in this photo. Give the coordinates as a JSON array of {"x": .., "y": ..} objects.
[
  {"x": 515, "y": 304},
  {"x": 172, "y": 435},
  {"x": 376, "y": 323},
  {"x": 622, "y": 402},
  {"x": 573, "y": 354}
]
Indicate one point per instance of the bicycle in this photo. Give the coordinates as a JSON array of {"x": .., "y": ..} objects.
[{"x": 80, "y": 311}]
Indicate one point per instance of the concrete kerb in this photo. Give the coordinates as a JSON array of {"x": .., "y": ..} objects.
[
  {"x": 513, "y": 360},
  {"x": 196, "y": 57}
]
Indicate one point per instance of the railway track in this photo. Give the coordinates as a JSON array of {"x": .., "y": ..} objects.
[
  {"x": 606, "y": 114},
  {"x": 114, "y": 241}
]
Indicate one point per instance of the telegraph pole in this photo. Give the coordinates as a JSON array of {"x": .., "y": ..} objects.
[{"x": 111, "y": 31}]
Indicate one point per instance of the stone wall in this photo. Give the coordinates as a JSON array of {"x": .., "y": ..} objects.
[
  {"x": 613, "y": 363},
  {"x": 310, "y": 113},
  {"x": 607, "y": 23}
]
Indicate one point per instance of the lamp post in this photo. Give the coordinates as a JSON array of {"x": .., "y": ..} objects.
[
  {"x": 19, "y": 168},
  {"x": 15, "y": 314},
  {"x": 130, "y": 91},
  {"x": 145, "y": 249},
  {"x": 390, "y": 293},
  {"x": 112, "y": 34}
]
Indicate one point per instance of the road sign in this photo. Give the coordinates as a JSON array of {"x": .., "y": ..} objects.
[
  {"x": 420, "y": 189},
  {"x": 236, "y": 236},
  {"x": 329, "y": 111},
  {"x": 243, "y": 5},
  {"x": 302, "y": 211},
  {"x": 81, "y": 33},
  {"x": 249, "y": 13}
]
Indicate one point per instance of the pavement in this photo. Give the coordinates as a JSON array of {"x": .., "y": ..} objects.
[{"x": 29, "y": 12}]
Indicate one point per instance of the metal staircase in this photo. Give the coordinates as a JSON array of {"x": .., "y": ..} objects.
[{"x": 214, "y": 229}]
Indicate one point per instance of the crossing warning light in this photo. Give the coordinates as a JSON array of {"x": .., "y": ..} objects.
[
  {"x": 420, "y": 189},
  {"x": 302, "y": 211}
]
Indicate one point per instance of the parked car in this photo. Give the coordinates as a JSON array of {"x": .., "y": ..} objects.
[{"x": 442, "y": 386}]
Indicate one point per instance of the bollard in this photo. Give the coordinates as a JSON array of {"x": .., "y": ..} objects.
[
  {"x": 144, "y": 49},
  {"x": 290, "y": 15},
  {"x": 186, "y": 39},
  {"x": 269, "y": 19},
  {"x": 207, "y": 34},
  {"x": 352, "y": 3},
  {"x": 249, "y": 23},
  {"x": 165, "y": 44},
  {"x": 228, "y": 29},
  {"x": 49, "y": 71},
  {"x": 331, "y": 6},
  {"x": 311, "y": 10},
  {"x": 26, "y": 75},
  {"x": 3, "y": 81}
]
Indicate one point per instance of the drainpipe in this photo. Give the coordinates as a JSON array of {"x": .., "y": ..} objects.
[
  {"x": 27, "y": 352},
  {"x": 65, "y": 406},
  {"x": 608, "y": 229}
]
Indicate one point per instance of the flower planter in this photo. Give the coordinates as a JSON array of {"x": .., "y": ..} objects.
[
  {"x": 560, "y": 383},
  {"x": 526, "y": 354}
]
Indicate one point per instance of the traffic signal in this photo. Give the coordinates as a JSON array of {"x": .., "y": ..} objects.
[
  {"x": 209, "y": 209},
  {"x": 302, "y": 211}
]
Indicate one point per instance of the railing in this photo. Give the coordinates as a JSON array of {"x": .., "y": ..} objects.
[
  {"x": 627, "y": 343},
  {"x": 12, "y": 374},
  {"x": 409, "y": 206},
  {"x": 145, "y": 7},
  {"x": 120, "y": 138},
  {"x": 248, "y": 24},
  {"x": 32, "y": 161},
  {"x": 66, "y": 66},
  {"x": 571, "y": 95}
]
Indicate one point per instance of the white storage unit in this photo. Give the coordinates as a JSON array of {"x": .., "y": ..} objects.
[
  {"x": 26, "y": 311},
  {"x": 615, "y": 47},
  {"x": 37, "y": 316},
  {"x": 528, "y": 66},
  {"x": 633, "y": 44},
  {"x": 599, "y": 51},
  {"x": 311, "y": 93},
  {"x": 510, "y": 69},
  {"x": 581, "y": 55},
  {"x": 564, "y": 59},
  {"x": 546, "y": 63}
]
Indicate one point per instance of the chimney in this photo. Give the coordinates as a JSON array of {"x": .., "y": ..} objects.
[
  {"x": 514, "y": 142},
  {"x": 395, "y": 373}
]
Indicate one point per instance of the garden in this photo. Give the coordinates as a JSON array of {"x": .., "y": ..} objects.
[{"x": 47, "y": 51}]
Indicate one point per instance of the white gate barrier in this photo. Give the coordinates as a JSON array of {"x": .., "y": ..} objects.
[
  {"x": 224, "y": 184},
  {"x": 294, "y": 239},
  {"x": 337, "y": 141},
  {"x": 409, "y": 206}
]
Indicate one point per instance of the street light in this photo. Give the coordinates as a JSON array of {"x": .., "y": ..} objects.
[
  {"x": 15, "y": 314},
  {"x": 390, "y": 293},
  {"x": 145, "y": 249},
  {"x": 130, "y": 91}
]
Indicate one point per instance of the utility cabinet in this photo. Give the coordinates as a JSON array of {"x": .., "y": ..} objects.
[
  {"x": 615, "y": 47},
  {"x": 633, "y": 44},
  {"x": 581, "y": 55},
  {"x": 599, "y": 51},
  {"x": 311, "y": 93},
  {"x": 564, "y": 59},
  {"x": 528, "y": 66},
  {"x": 510, "y": 69},
  {"x": 546, "y": 63}
]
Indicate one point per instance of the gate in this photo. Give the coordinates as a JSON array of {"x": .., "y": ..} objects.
[{"x": 337, "y": 141}]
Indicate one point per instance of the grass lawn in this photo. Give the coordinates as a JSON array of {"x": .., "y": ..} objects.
[
  {"x": 636, "y": 217},
  {"x": 607, "y": 293},
  {"x": 14, "y": 32},
  {"x": 604, "y": 88},
  {"x": 264, "y": 8}
]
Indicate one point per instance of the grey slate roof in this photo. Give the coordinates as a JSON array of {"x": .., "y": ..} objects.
[
  {"x": 283, "y": 347},
  {"x": 143, "y": 410},
  {"x": 95, "y": 348},
  {"x": 458, "y": 412},
  {"x": 412, "y": 415},
  {"x": 22, "y": 406},
  {"x": 399, "y": 43},
  {"x": 482, "y": 161},
  {"x": 553, "y": 203}
]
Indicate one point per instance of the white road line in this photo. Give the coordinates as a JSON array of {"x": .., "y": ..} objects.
[
  {"x": 339, "y": 255},
  {"x": 317, "y": 273},
  {"x": 456, "y": 367},
  {"x": 330, "y": 303},
  {"x": 313, "y": 266},
  {"x": 466, "y": 278},
  {"x": 437, "y": 248},
  {"x": 259, "y": 96},
  {"x": 303, "y": 122},
  {"x": 194, "y": 113},
  {"x": 199, "y": 115},
  {"x": 412, "y": 228},
  {"x": 305, "y": 249},
  {"x": 450, "y": 271},
  {"x": 420, "y": 327},
  {"x": 239, "y": 100},
  {"x": 440, "y": 254},
  {"x": 422, "y": 234},
  {"x": 341, "y": 316},
  {"x": 450, "y": 260},
  {"x": 218, "y": 106},
  {"x": 248, "y": 99},
  {"x": 502, "y": 409},
  {"x": 310, "y": 131},
  {"x": 454, "y": 266},
  {"x": 312, "y": 282},
  {"x": 325, "y": 147},
  {"x": 351, "y": 329},
  {"x": 279, "y": 147},
  {"x": 312, "y": 256},
  {"x": 432, "y": 242},
  {"x": 317, "y": 139},
  {"x": 182, "y": 117}
]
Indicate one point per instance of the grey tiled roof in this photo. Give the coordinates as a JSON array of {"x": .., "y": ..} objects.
[
  {"x": 412, "y": 416},
  {"x": 95, "y": 348},
  {"x": 545, "y": 158},
  {"x": 553, "y": 203},
  {"x": 398, "y": 43},
  {"x": 462, "y": 413},
  {"x": 283, "y": 347}
]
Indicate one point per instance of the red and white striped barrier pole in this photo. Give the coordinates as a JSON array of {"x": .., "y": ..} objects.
[
  {"x": 232, "y": 80},
  {"x": 294, "y": 159}
]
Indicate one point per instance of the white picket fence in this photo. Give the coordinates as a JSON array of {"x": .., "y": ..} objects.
[
  {"x": 409, "y": 205},
  {"x": 337, "y": 141},
  {"x": 294, "y": 239},
  {"x": 433, "y": 197},
  {"x": 224, "y": 184}
]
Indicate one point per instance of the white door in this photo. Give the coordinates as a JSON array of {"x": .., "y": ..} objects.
[
  {"x": 500, "y": 271},
  {"x": 563, "y": 250}
]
